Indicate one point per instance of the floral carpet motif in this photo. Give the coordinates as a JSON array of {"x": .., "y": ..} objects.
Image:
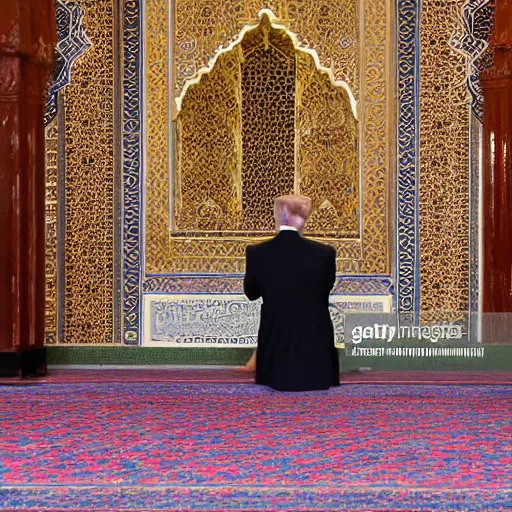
[{"x": 183, "y": 446}]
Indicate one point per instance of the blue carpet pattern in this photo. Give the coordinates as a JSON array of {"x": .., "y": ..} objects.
[{"x": 211, "y": 447}]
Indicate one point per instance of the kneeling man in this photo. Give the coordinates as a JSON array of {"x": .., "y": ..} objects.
[{"x": 294, "y": 276}]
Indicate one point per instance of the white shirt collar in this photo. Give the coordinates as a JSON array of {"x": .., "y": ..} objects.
[{"x": 288, "y": 228}]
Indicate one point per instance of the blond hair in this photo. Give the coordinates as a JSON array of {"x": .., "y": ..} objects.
[{"x": 292, "y": 210}]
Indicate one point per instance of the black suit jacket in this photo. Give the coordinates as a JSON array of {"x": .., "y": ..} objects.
[{"x": 294, "y": 276}]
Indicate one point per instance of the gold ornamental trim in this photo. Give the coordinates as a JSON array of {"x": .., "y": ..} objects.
[{"x": 276, "y": 24}]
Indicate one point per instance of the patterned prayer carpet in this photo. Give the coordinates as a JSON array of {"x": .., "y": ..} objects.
[{"x": 232, "y": 447}]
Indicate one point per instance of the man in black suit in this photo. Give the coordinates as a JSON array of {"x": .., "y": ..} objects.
[{"x": 294, "y": 276}]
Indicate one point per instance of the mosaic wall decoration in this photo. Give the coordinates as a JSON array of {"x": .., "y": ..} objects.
[
  {"x": 89, "y": 184},
  {"x": 471, "y": 39},
  {"x": 229, "y": 321},
  {"x": 327, "y": 153},
  {"x": 131, "y": 139},
  {"x": 268, "y": 83},
  {"x": 201, "y": 27},
  {"x": 95, "y": 261},
  {"x": 265, "y": 122},
  {"x": 52, "y": 170},
  {"x": 324, "y": 145},
  {"x": 81, "y": 177},
  {"x": 72, "y": 43},
  {"x": 449, "y": 50},
  {"x": 207, "y": 178},
  {"x": 407, "y": 249},
  {"x": 158, "y": 59},
  {"x": 377, "y": 119},
  {"x": 213, "y": 284}
]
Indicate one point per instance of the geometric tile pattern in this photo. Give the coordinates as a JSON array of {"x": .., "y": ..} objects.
[
  {"x": 407, "y": 250},
  {"x": 72, "y": 42}
]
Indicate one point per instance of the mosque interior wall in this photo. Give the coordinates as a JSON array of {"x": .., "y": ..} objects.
[{"x": 172, "y": 126}]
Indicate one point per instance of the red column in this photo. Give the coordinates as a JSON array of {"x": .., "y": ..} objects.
[
  {"x": 497, "y": 170},
  {"x": 27, "y": 39}
]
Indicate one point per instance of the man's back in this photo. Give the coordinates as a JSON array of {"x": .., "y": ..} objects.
[{"x": 294, "y": 277}]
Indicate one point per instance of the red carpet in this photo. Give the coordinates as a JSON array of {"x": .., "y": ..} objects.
[
  {"x": 169, "y": 447},
  {"x": 227, "y": 376},
  {"x": 231, "y": 376}
]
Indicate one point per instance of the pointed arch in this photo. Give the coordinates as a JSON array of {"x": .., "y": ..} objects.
[{"x": 276, "y": 24}]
